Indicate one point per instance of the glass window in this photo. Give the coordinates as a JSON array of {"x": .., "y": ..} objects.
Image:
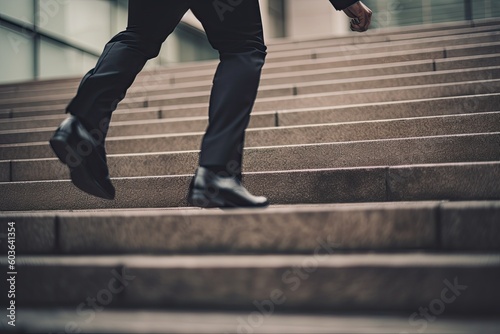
[
  {"x": 57, "y": 60},
  {"x": 390, "y": 13},
  {"x": 447, "y": 10},
  {"x": 121, "y": 16},
  {"x": 494, "y": 8},
  {"x": 17, "y": 56},
  {"x": 85, "y": 22},
  {"x": 21, "y": 10},
  {"x": 410, "y": 12},
  {"x": 484, "y": 9}
]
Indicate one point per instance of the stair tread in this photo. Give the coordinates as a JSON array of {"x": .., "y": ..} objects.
[
  {"x": 216, "y": 322},
  {"x": 400, "y": 260}
]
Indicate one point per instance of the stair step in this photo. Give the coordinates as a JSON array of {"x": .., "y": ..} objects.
[
  {"x": 125, "y": 122},
  {"x": 343, "y": 98},
  {"x": 417, "y": 150},
  {"x": 284, "y": 78},
  {"x": 304, "y": 65},
  {"x": 453, "y": 181},
  {"x": 476, "y": 27},
  {"x": 479, "y": 31},
  {"x": 127, "y": 138},
  {"x": 372, "y": 37},
  {"x": 380, "y": 156},
  {"x": 387, "y": 46},
  {"x": 373, "y": 95},
  {"x": 265, "y": 320},
  {"x": 399, "y": 226},
  {"x": 406, "y": 79},
  {"x": 390, "y": 110},
  {"x": 348, "y": 62},
  {"x": 322, "y": 282}
]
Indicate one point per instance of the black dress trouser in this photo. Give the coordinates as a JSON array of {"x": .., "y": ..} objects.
[{"x": 234, "y": 29}]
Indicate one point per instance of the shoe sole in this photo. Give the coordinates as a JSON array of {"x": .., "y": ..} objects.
[
  {"x": 199, "y": 199},
  {"x": 80, "y": 175}
]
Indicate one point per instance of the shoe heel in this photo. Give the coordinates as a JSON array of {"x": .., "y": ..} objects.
[
  {"x": 59, "y": 143},
  {"x": 199, "y": 199}
]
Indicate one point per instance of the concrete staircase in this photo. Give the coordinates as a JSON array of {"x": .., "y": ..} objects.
[{"x": 380, "y": 154}]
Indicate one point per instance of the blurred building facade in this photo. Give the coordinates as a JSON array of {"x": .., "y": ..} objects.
[{"x": 43, "y": 39}]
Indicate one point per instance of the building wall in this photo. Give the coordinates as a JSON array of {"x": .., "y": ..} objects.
[
  {"x": 44, "y": 39},
  {"x": 316, "y": 17},
  {"x": 313, "y": 18}
]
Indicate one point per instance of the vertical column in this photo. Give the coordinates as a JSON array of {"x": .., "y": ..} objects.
[
  {"x": 426, "y": 12},
  {"x": 264, "y": 8},
  {"x": 36, "y": 40},
  {"x": 468, "y": 10}
]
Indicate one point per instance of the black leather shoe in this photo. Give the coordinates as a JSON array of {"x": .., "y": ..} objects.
[
  {"x": 208, "y": 190},
  {"x": 86, "y": 159}
]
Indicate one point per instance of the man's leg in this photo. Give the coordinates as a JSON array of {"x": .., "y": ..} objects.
[
  {"x": 149, "y": 24},
  {"x": 79, "y": 140},
  {"x": 234, "y": 28},
  {"x": 236, "y": 32}
]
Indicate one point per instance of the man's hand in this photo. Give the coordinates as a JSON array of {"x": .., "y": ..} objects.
[{"x": 361, "y": 16}]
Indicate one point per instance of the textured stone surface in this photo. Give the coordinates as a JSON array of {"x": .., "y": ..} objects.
[
  {"x": 471, "y": 226},
  {"x": 443, "y": 33},
  {"x": 305, "y": 76},
  {"x": 326, "y": 283},
  {"x": 313, "y": 186},
  {"x": 142, "y": 321},
  {"x": 30, "y": 122},
  {"x": 401, "y": 80},
  {"x": 433, "y": 42},
  {"x": 62, "y": 195},
  {"x": 133, "y": 128},
  {"x": 346, "y": 151},
  {"x": 38, "y": 170},
  {"x": 383, "y": 129},
  {"x": 370, "y": 130},
  {"x": 476, "y": 181},
  {"x": 5, "y": 172},
  {"x": 34, "y": 234},
  {"x": 472, "y": 61},
  {"x": 25, "y": 151},
  {"x": 463, "y": 181},
  {"x": 477, "y": 49},
  {"x": 199, "y": 124},
  {"x": 274, "y": 230},
  {"x": 320, "y": 186},
  {"x": 391, "y": 110},
  {"x": 379, "y": 95},
  {"x": 375, "y": 153},
  {"x": 395, "y": 36}
]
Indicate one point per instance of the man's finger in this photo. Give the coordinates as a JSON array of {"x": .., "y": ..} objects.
[
  {"x": 361, "y": 24},
  {"x": 360, "y": 16},
  {"x": 358, "y": 25}
]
